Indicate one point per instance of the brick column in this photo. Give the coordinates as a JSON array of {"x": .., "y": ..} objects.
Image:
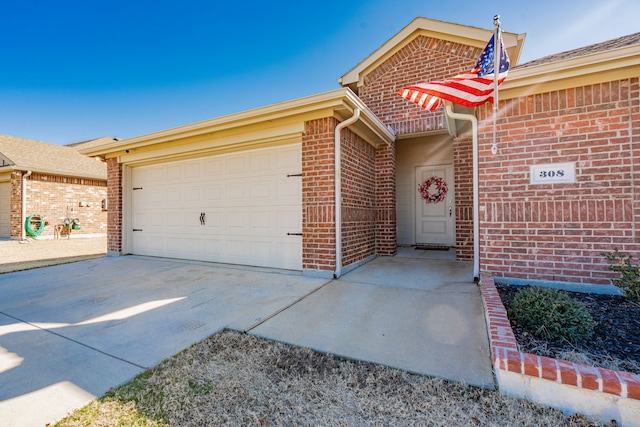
[
  {"x": 634, "y": 130},
  {"x": 463, "y": 170},
  {"x": 114, "y": 214},
  {"x": 16, "y": 205},
  {"x": 386, "y": 232},
  {"x": 318, "y": 196}
]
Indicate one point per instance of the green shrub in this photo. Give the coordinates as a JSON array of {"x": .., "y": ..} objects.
[
  {"x": 629, "y": 280},
  {"x": 552, "y": 314}
]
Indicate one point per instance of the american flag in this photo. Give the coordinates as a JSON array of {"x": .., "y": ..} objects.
[{"x": 470, "y": 89}]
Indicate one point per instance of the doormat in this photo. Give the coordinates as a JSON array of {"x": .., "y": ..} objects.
[{"x": 432, "y": 247}]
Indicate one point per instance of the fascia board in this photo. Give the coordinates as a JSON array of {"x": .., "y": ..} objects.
[
  {"x": 208, "y": 144},
  {"x": 269, "y": 113},
  {"x": 5, "y": 175},
  {"x": 337, "y": 103},
  {"x": 45, "y": 171},
  {"x": 374, "y": 128}
]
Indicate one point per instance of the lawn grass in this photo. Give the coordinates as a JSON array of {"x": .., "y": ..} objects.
[{"x": 236, "y": 379}]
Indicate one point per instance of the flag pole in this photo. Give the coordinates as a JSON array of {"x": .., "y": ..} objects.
[{"x": 497, "y": 53}]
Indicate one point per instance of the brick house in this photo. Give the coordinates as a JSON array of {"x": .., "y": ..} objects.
[
  {"x": 55, "y": 182},
  {"x": 325, "y": 183}
]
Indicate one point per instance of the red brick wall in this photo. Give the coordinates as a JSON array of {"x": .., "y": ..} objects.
[
  {"x": 358, "y": 198},
  {"x": 114, "y": 199},
  {"x": 463, "y": 170},
  {"x": 424, "y": 59},
  {"x": 557, "y": 231},
  {"x": 318, "y": 204},
  {"x": 368, "y": 197},
  {"x": 385, "y": 204},
  {"x": 16, "y": 205},
  {"x": 57, "y": 197}
]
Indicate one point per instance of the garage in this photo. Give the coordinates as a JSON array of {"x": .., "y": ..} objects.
[
  {"x": 5, "y": 209},
  {"x": 239, "y": 208}
]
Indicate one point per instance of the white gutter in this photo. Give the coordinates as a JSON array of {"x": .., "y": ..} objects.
[
  {"x": 338, "y": 188},
  {"x": 24, "y": 204},
  {"x": 476, "y": 189}
]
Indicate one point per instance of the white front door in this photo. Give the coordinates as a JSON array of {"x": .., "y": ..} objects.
[{"x": 435, "y": 221}]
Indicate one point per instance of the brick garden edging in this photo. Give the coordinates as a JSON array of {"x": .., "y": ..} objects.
[{"x": 570, "y": 387}]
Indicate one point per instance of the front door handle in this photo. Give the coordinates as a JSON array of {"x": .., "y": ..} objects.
[{"x": 450, "y": 211}]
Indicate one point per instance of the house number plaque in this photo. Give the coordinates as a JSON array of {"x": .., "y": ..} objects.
[{"x": 553, "y": 173}]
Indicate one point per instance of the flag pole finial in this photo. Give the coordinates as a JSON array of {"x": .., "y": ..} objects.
[{"x": 496, "y": 21}]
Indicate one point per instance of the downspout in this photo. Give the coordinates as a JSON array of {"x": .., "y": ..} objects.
[
  {"x": 338, "y": 188},
  {"x": 476, "y": 186},
  {"x": 24, "y": 204}
]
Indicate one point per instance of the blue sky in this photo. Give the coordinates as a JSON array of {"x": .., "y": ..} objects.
[{"x": 76, "y": 70}]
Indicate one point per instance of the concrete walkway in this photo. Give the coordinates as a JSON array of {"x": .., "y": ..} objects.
[
  {"x": 422, "y": 316},
  {"x": 70, "y": 332}
]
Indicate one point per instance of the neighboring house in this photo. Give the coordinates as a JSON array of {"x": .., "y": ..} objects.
[
  {"x": 54, "y": 182},
  {"x": 259, "y": 187}
]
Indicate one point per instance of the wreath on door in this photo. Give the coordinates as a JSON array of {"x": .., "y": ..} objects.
[{"x": 438, "y": 195}]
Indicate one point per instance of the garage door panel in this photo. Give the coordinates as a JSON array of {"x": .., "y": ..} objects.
[
  {"x": 260, "y": 162},
  {"x": 174, "y": 172},
  {"x": 235, "y": 194},
  {"x": 288, "y": 159},
  {"x": 173, "y": 195},
  {"x": 214, "y": 194},
  {"x": 235, "y": 166},
  {"x": 249, "y": 202},
  {"x": 192, "y": 195},
  {"x": 236, "y": 221},
  {"x": 289, "y": 222},
  {"x": 287, "y": 190},
  {"x": 155, "y": 219},
  {"x": 218, "y": 249},
  {"x": 149, "y": 175},
  {"x": 212, "y": 167},
  {"x": 178, "y": 246},
  {"x": 192, "y": 170},
  {"x": 149, "y": 245},
  {"x": 260, "y": 190}
]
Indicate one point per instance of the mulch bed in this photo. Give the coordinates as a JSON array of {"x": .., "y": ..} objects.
[{"x": 615, "y": 343}]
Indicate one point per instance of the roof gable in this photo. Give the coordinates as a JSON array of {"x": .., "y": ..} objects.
[
  {"x": 26, "y": 154},
  {"x": 462, "y": 34}
]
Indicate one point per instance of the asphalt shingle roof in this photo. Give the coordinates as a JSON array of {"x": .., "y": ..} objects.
[
  {"x": 26, "y": 154},
  {"x": 625, "y": 41}
]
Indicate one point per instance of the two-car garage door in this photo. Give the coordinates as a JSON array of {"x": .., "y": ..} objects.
[{"x": 238, "y": 208}]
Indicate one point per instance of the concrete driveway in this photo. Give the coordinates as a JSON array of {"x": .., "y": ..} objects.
[{"x": 70, "y": 332}]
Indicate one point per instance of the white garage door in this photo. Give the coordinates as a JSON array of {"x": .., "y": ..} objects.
[
  {"x": 239, "y": 208},
  {"x": 5, "y": 209}
]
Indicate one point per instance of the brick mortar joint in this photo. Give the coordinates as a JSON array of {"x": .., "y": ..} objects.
[{"x": 502, "y": 354}]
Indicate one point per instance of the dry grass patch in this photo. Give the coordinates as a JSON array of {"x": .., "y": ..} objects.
[{"x": 236, "y": 379}]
